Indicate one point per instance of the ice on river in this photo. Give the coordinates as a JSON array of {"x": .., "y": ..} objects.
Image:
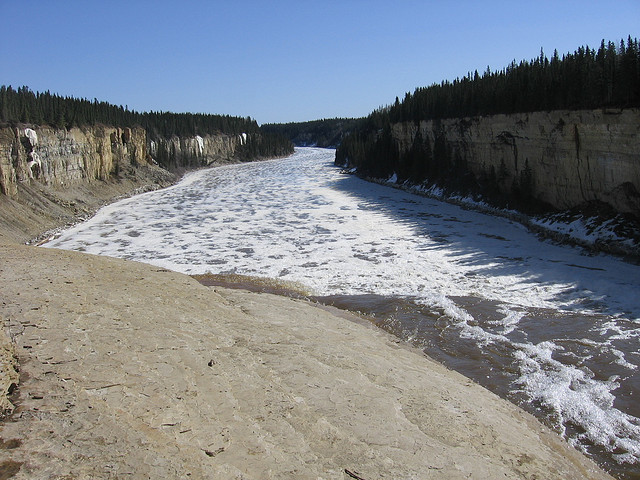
[{"x": 300, "y": 219}]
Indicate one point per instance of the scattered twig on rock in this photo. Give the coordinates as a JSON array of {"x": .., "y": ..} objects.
[
  {"x": 104, "y": 386},
  {"x": 353, "y": 475},
  {"x": 214, "y": 452},
  {"x": 61, "y": 362}
]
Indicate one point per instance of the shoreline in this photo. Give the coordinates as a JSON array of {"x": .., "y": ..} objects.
[
  {"x": 571, "y": 227},
  {"x": 39, "y": 210},
  {"x": 169, "y": 377}
]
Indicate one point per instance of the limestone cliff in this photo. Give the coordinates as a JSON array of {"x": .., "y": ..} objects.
[
  {"x": 567, "y": 158},
  {"x": 187, "y": 152},
  {"x": 561, "y": 159},
  {"x": 56, "y": 158}
]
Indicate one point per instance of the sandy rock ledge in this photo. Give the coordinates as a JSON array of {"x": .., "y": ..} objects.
[{"x": 131, "y": 371}]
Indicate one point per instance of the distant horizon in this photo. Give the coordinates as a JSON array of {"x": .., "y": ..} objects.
[{"x": 284, "y": 62}]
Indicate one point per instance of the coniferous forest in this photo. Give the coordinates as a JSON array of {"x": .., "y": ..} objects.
[
  {"x": 585, "y": 79},
  {"x": 323, "y": 133},
  {"x": 23, "y": 106},
  {"x": 606, "y": 77}
]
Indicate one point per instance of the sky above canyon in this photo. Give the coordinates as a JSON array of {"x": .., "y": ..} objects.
[{"x": 282, "y": 61}]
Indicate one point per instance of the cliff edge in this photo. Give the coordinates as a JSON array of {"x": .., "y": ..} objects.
[{"x": 560, "y": 158}]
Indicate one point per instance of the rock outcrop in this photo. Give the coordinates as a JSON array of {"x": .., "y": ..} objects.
[
  {"x": 566, "y": 158},
  {"x": 188, "y": 152},
  {"x": 131, "y": 371},
  {"x": 9, "y": 376},
  {"x": 57, "y": 157},
  {"x": 50, "y": 177}
]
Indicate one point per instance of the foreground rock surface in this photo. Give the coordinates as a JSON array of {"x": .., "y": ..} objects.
[{"x": 131, "y": 371}]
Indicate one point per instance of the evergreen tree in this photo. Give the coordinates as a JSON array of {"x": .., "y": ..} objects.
[{"x": 585, "y": 79}]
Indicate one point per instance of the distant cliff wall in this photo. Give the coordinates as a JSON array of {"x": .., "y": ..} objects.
[
  {"x": 566, "y": 158},
  {"x": 52, "y": 177},
  {"x": 197, "y": 151},
  {"x": 561, "y": 158},
  {"x": 58, "y": 157}
]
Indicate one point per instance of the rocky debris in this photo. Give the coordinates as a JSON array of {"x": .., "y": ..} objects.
[{"x": 9, "y": 376}]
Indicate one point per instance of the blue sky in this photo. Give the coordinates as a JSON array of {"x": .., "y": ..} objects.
[{"x": 280, "y": 61}]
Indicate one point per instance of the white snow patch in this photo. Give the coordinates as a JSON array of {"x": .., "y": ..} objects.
[
  {"x": 200, "y": 141},
  {"x": 35, "y": 160},
  {"x": 32, "y": 136}
]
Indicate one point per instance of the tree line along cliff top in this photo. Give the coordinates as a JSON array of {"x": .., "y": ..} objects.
[
  {"x": 585, "y": 79},
  {"x": 23, "y": 106},
  {"x": 607, "y": 77}
]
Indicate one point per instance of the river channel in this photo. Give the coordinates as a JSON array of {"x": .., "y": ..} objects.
[{"x": 550, "y": 327}]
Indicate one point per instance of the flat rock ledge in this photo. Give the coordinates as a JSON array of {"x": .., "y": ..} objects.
[{"x": 130, "y": 371}]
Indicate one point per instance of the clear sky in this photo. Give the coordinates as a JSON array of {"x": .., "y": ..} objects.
[{"x": 281, "y": 61}]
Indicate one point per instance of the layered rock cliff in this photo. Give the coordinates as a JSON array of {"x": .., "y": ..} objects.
[
  {"x": 49, "y": 177},
  {"x": 188, "y": 152},
  {"x": 561, "y": 158},
  {"x": 57, "y": 158}
]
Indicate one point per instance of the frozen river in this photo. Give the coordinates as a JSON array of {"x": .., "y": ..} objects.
[{"x": 553, "y": 329}]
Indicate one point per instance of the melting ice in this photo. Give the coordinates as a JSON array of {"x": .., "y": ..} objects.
[{"x": 569, "y": 322}]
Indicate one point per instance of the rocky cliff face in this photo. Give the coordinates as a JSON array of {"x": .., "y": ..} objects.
[
  {"x": 566, "y": 158},
  {"x": 59, "y": 157},
  {"x": 50, "y": 178},
  {"x": 188, "y": 152},
  {"x": 56, "y": 158}
]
